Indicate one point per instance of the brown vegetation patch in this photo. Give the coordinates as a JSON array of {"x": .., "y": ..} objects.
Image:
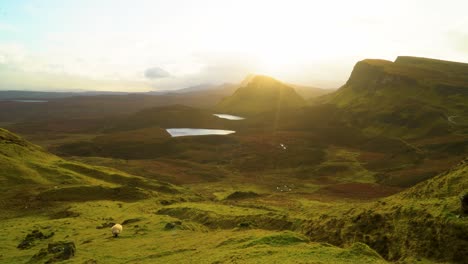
[{"x": 359, "y": 190}]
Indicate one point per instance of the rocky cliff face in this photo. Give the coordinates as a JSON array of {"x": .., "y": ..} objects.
[{"x": 375, "y": 74}]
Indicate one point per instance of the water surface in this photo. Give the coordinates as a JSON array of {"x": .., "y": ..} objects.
[
  {"x": 182, "y": 132},
  {"x": 30, "y": 101},
  {"x": 229, "y": 117}
]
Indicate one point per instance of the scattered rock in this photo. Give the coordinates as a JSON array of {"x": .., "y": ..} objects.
[
  {"x": 172, "y": 225},
  {"x": 29, "y": 240},
  {"x": 131, "y": 221},
  {"x": 39, "y": 256},
  {"x": 62, "y": 250},
  {"x": 165, "y": 202},
  {"x": 105, "y": 225},
  {"x": 55, "y": 252},
  {"x": 464, "y": 203},
  {"x": 244, "y": 225}
]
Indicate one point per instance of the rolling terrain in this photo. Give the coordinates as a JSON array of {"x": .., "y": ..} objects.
[
  {"x": 369, "y": 173},
  {"x": 236, "y": 225},
  {"x": 78, "y": 203}
]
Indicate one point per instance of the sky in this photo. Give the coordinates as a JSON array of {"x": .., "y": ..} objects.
[{"x": 142, "y": 45}]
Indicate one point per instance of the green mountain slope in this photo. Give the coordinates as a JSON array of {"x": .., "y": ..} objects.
[
  {"x": 411, "y": 97},
  {"x": 261, "y": 94}
]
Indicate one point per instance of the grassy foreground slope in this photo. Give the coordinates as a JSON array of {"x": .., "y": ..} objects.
[{"x": 73, "y": 202}]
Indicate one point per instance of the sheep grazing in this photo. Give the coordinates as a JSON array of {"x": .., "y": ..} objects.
[{"x": 116, "y": 230}]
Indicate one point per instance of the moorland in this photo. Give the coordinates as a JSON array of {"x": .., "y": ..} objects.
[{"x": 371, "y": 172}]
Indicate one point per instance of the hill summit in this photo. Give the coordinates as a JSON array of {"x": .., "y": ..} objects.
[{"x": 259, "y": 93}]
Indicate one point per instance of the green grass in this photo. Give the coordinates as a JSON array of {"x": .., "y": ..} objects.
[{"x": 147, "y": 241}]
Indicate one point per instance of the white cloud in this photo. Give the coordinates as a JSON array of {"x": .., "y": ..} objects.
[{"x": 156, "y": 73}]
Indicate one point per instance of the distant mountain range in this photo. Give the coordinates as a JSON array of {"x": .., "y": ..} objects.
[{"x": 224, "y": 89}]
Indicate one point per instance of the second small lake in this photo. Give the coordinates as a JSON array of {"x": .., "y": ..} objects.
[
  {"x": 181, "y": 132},
  {"x": 229, "y": 117}
]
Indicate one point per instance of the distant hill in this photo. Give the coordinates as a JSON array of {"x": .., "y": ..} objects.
[
  {"x": 259, "y": 94},
  {"x": 227, "y": 88},
  {"x": 309, "y": 92}
]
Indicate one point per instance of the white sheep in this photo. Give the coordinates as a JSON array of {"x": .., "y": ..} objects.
[{"x": 117, "y": 229}]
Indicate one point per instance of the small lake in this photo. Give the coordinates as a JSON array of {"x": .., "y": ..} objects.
[
  {"x": 229, "y": 117},
  {"x": 30, "y": 101},
  {"x": 182, "y": 132}
]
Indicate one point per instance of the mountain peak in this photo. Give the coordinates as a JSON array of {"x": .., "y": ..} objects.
[
  {"x": 371, "y": 73},
  {"x": 258, "y": 79},
  {"x": 260, "y": 93}
]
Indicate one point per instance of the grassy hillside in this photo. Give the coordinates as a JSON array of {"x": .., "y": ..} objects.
[
  {"x": 418, "y": 102},
  {"x": 411, "y": 97},
  {"x": 424, "y": 221},
  {"x": 31, "y": 178},
  {"x": 261, "y": 94}
]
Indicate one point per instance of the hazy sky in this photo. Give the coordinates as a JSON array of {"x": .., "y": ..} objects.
[{"x": 141, "y": 45}]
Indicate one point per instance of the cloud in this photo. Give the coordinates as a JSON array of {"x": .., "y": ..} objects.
[{"x": 156, "y": 73}]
